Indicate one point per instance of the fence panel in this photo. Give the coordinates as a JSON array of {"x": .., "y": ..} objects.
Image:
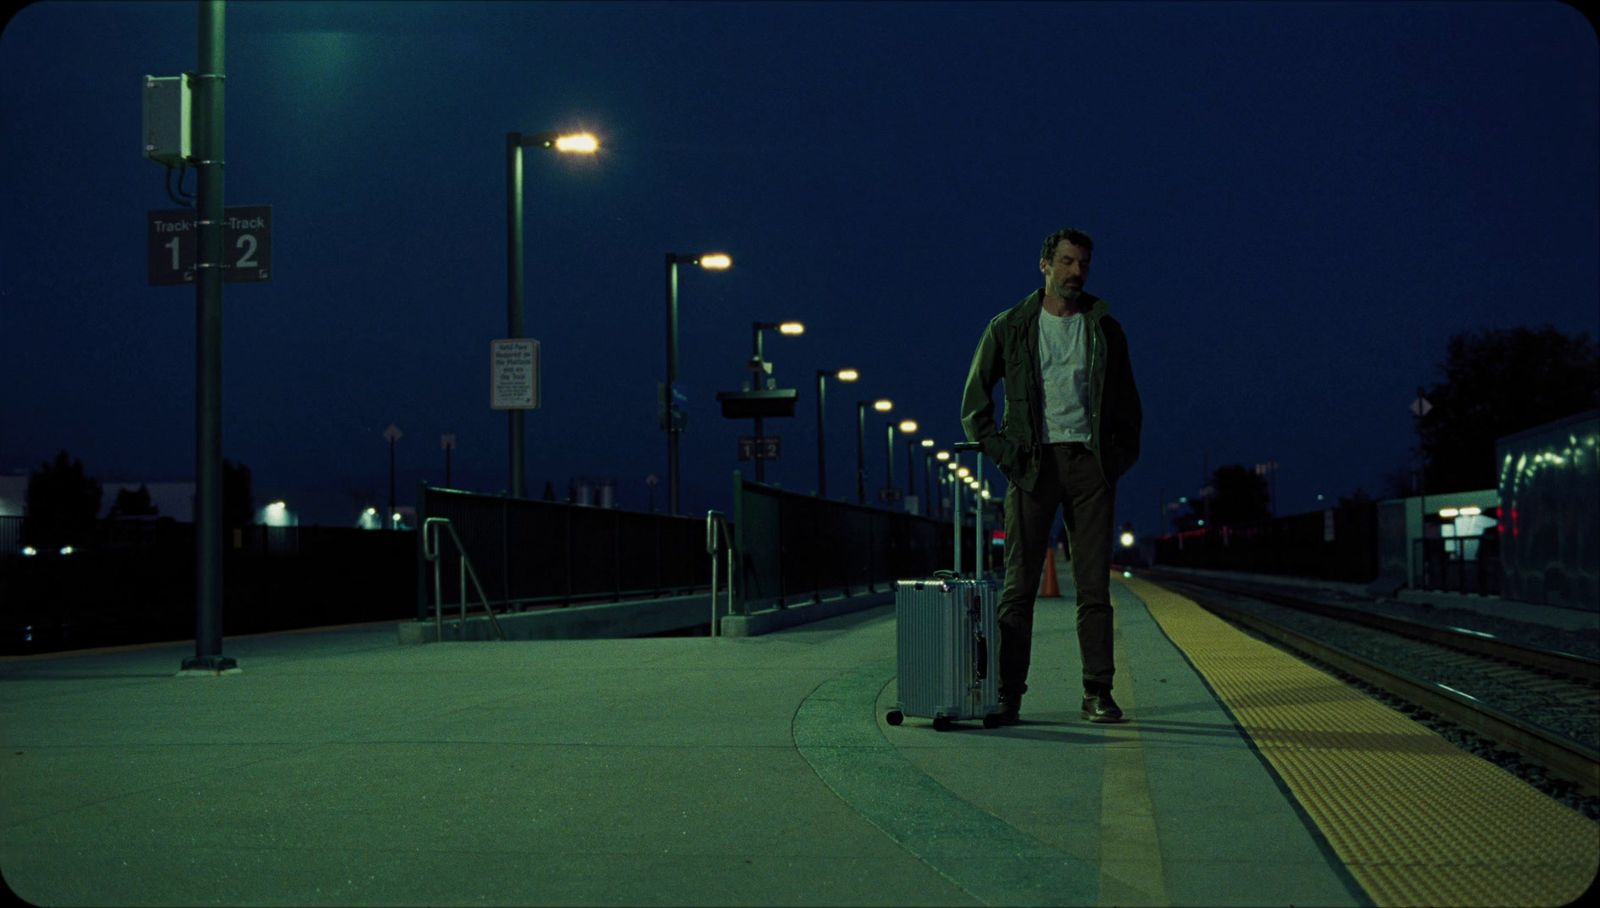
[{"x": 553, "y": 553}]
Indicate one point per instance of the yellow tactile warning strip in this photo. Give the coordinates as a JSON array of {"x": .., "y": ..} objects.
[{"x": 1417, "y": 820}]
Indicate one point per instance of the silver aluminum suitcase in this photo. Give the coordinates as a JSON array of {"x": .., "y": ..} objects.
[{"x": 948, "y": 651}]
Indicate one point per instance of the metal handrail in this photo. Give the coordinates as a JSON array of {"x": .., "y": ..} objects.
[
  {"x": 717, "y": 524},
  {"x": 430, "y": 552}
]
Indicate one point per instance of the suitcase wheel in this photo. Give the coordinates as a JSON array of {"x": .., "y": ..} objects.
[
  {"x": 942, "y": 723},
  {"x": 895, "y": 717},
  {"x": 992, "y": 720}
]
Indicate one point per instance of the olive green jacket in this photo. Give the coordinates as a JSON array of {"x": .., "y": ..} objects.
[{"x": 1009, "y": 350}]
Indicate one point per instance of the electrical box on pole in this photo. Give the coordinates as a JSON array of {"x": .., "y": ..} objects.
[{"x": 166, "y": 119}]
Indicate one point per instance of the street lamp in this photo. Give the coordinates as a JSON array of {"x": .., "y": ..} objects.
[
  {"x": 844, "y": 375},
  {"x": 911, "y": 482},
  {"x": 907, "y": 426},
  {"x": 711, "y": 261},
  {"x": 565, "y": 143},
  {"x": 760, "y": 369},
  {"x": 882, "y": 405}
]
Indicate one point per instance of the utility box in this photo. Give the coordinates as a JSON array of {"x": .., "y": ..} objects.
[{"x": 166, "y": 119}]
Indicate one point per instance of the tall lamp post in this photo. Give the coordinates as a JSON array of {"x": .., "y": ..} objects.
[
  {"x": 759, "y": 370},
  {"x": 566, "y": 143},
  {"x": 908, "y": 426},
  {"x": 844, "y": 375},
  {"x": 711, "y": 261},
  {"x": 911, "y": 474},
  {"x": 942, "y": 457},
  {"x": 882, "y": 405}
]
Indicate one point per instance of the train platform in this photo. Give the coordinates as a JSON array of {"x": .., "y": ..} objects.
[{"x": 340, "y": 768}]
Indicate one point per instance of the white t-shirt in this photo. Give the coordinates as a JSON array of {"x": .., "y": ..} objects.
[{"x": 1064, "y": 370}]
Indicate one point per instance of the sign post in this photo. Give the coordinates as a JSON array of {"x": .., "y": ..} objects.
[
  {"x": 760, "y": 447},
  {"x": 514, "y": 374},
  {"x": 393, "y": 434},
  {"x": 172, "y": 241}
]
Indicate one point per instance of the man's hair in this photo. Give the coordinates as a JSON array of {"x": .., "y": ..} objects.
[{"x": 1072, "y": 235}]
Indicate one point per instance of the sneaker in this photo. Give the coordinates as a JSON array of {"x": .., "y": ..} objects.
[{"x": 1099, "y": 707}]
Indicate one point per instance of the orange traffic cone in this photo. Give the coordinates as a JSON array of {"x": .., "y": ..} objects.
[{"x": 1051, "y": 586}]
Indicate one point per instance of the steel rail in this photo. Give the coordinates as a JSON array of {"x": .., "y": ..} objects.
[{"x": 1477, "y": 642}]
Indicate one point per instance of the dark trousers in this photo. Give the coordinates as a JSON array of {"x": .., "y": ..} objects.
[{"x": 1070, "y": 479}]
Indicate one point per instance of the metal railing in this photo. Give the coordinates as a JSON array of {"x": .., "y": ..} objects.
[
  {"x": 430, "y": 551},
  {"x": 717, "y": 528}
]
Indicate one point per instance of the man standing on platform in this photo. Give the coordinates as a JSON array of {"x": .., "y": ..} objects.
[{"x": 1069, "y": 431}]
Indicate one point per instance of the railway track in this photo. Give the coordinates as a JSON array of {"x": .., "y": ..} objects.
[{"x": 1542, "y": 706}]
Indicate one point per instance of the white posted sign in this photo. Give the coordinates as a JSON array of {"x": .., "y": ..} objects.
[{"x": 514, "y": 374}]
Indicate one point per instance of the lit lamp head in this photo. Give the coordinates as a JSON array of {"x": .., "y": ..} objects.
[
  {"x": 576, "y": 143},
  {"x": 908, "y": 426},
  {"x": 564, "y": 142},
  {"x": 963, "y": 472},
  {"x": 714, "y": 261},
  {"x": 883, "y": 405},
  {"x": 793, "y": 329},
  {"x": 927, "y": 442},
  {"x": 1126, "y": 539},
  {"x": 847, "y": 375},
  {"x": 952, "y": 466},
  {"x": 942, "y": 456}
]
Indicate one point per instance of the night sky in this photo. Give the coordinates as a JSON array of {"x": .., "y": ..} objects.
[{"x": 1294, "y": 206}]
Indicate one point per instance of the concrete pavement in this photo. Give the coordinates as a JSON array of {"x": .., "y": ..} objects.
[{"x": 341, "y": 768}]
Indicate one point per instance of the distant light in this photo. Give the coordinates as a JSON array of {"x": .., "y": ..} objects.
[
  {"x": 908, "y": 426},
  {"x": 1183, "y": 499},
  {"x": 716, "y": 261},
  {"x": 954, "y": 466},
  {"x": 964, "y": 472},
  {"x": 927, "y": 442},
  {"x": 578, "y": 143},
  {"x": 276, "y": 506},
  {"x": 1200, "y": 523},
  {"x": 847, "y": 375},
  {"x": 67, "y": 550},
  {"x": 942, "y": 456},
  {"x": 793, "y": 329},
  {"x": 985, "y": 494},
  {"x": 1471, "y": 510},
  {"x": 1127, "y": 573},
  {"x": 883, "y": 405},
  {"x": 29, "y": 551},
  {"x": 1448, "y": 512},
  {"x": 371, "y": 512},
  {"x": 1127, "y": 540}
]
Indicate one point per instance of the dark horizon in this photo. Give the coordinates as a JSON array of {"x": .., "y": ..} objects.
[{"x": 1294, "y": 207}]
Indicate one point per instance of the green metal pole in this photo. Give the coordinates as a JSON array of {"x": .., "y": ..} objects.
[
  {"x": 514, "y": 326},
  {"x": 206, "y": 127},
  {"x": 822, "y": 460},
  {"x": 758, "y": 384},
  {"x": 861, "y": 455},
  {"x": 672, "y": 381}
]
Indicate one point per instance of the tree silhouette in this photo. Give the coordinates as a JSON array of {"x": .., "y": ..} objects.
[
  {"x": 1237, "y": 496},
  {"x": 62, "y": 504},
  {"x": 133, "y": 503},
  {"x": 1497, "y": 383},
  {"x": 238, "y": 504}
]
